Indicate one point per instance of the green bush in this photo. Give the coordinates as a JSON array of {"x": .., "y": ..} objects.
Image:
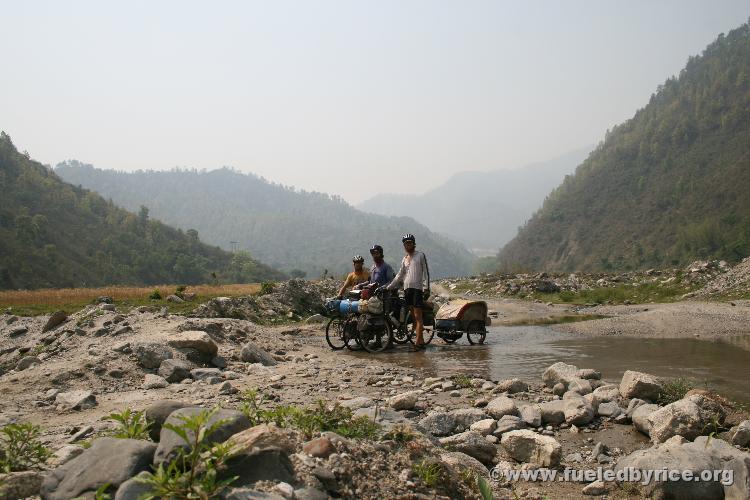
[
  {"x": 266, "y": 287},
  {"x": 674, "y": 390},
  {"x": 155, "y": 295},
  {"x": 21, "y": 449},
  {"x": 194, "y": 473},
  {"x": 131, "y": 425},
  {"x": 430, "y": 472}
]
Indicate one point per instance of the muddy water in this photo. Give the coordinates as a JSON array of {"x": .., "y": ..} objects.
[{"x": 525, "y": 352}]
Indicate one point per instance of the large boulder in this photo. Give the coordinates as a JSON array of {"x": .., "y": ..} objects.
[
  {"x": 473, "y": 444},
  {"x": 577, "y": 411},
  {"x": 511, "y": 386},
  {"x": 108, "y": 461},
  {"x": 528, "y": 446},
  {"x": 740, "y": 434},
  {"x": 561, "y": 373},
  {"x": 580, "y": 386},
  {"x": 438, "y": 423},
  {"x": 640, "y": 385},
  {"x": 672, "y": 455},
  {"x": 689, "y": 418},
  {"x": 251, "y": 353},
  {"x": 508, "y": 423},
  {"x": 640, "y": 415},
  {"x": 170, "y": 442},
  {"x": 56, "y": 319},
  {"x": 501, "y": 406},
  {"x": 607, "y": 393},
  {"x": 194, "y": 339},
  {"x": 150, "y": 355},
  {"x": 134, "y": 488},
  {"x": 532, "y": 415},
  {"x": 157, "y": 413},
  {"x": 175, "y": 370},
  {"x": 261, "y": 437},
  {"x": 269, "y": 464}
]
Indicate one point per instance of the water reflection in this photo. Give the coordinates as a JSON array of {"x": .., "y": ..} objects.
[{"x": 525, "y": 352}]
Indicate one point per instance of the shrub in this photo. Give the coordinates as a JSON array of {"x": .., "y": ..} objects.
[
  {"x": 674, "y": 390},
  {"x": 266, "y": 287},
  {"x": 194, "y": 473},
  {"x": 20, "y": 448},
  {"x": 155, "y": 295},
  {"x": 132, "y": 425},
  {"x": 431, "y": 473}
]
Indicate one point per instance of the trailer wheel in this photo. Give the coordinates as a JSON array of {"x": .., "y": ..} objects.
[{"x": 476, "y": 333}]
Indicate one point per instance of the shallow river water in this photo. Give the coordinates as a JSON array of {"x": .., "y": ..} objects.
[{"x": 525, "y": 352}]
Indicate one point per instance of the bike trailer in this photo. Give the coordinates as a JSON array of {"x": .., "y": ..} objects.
[{"x": 455, "y": 314}]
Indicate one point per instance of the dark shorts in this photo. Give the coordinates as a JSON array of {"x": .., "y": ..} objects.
[{"x": 413, "y": 297}]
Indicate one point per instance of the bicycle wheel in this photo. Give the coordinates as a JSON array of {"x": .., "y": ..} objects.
[
  {"x": 400, "y": 334},
  {"x": 377, "y": 338},
  {"x": 351, "y": 336},
  {"x": 476, "y": 332},
  {"x": 335, "y": 334},
  {"x": 427, "y": 333}
]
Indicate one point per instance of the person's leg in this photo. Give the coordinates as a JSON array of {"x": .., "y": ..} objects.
[{"x": 418, "y": 324}]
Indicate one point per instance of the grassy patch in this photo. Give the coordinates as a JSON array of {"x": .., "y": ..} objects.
[
  {"x": 431, "y": 473},
  {"x": 675, "y": 389},
  {"x": 70, "y": 300},
  {"x": 462, "y": 381},
  {"x": 555, "y": 320}
]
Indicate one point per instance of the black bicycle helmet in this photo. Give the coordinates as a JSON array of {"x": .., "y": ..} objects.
[
  {"x": 408, "y": 237},
  {"x": 358, "y": 258},
  {"x": 376, "y": 248}
]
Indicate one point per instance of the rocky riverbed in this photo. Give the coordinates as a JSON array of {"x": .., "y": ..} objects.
[{"x": 434, "y": 435}]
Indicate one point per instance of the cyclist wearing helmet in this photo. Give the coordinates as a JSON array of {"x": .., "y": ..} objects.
[
  {"x": 360, "y": 275},
  {"x": 415, "y": 276},
  {"x": 381, "y": 272}
]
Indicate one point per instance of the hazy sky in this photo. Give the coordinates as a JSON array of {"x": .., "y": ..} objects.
[{"x": 322, "y": 94}]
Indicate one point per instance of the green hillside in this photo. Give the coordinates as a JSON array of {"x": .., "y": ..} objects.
[
  {"x": 668, "y": 186},
  {"x": 53, "y": 234},
  {"x": 284, "y": 227}
]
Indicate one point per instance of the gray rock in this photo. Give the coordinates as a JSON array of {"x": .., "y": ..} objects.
[
  {"x": 109, "y": 460},
  {"x": 194, "y": 339},
  {"x": 76, "y": 400},
  {"x": 462, "y": 461},
  {"x": 309, "y": 494},
  {"x": 175, "y": 370},
  {"x": 640, "y": 385},
  {"x": 23, "y": 484},
  {"x": 581, "y": 386},
  {"x": 672, "y": 455},
  {"x": 532, "y": 415},
  {"x": 559, "y": 389},
  {"x": 251, "y": 353},
  {"x": 151, "y": 355},
  {"x": 152, "y": 381},
  {"x": 357, "y": 403},
  {"x": 689, "y": 417},
  {"x": 27, "y": 362},
  {"x": 251, "y": 494},
  {"x": 577, "y": 411},
  {"x": 527, "y": 446},
  {"x": 640, "y": 417},
  {"x": 589, "y": 374},
  {"x": 740, "y": 434},
  {"x": 157, "y": 412},
  {"x": 508, "y": 423},
  {"x": 610, "y": 409},
  {"x": 466, "y": 416},
  {"x": 502, "y": 406},
  {"x": 597, "y": 488},
  {"x": 553, "y": 412},
  {"x": 56, "y": 319},
  {"x": 169, "y": 442},
  {"x": 133, "y": 489},
  {"x": 315, "y": 318},
  {"x": 18, "y": 331},
  {"x": 227, "y": 388},
  {"x": 607, "y": 393},
  {"x": 404, "y": 401},
  {"x": 262, "y": 465},
  {"x": 633, "y": 405},
  {"x": 174, "y": 298},
  {"x": 473, "y": 444},
  {"x": 438, "y": 423},
  {"x": 559, "y": 373},
  {"x": 739, "y": 468},
  {"x": 484, "y": 427},
  {"x": 511, "y": 386},
  {"x": 204, "y": 373}
]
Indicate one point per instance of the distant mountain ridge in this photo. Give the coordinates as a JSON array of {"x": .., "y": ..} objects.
[
  {"x": 286, "y": 228},
  {"x": 483, "y": 210},
  {"x": 53, "y": 234},
  {"x": 670, "y": 185}
]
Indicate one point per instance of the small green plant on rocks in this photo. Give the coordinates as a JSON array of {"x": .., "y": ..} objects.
[
  {"x": 131, "y": 425},
  {"x": 401, "y": 434},
  {"x": 21, "y": 449},
  {"x": 477, "y": 483},
  {"x": 461, "y": 380},
  {"x": 194, "y": 473},
  {"x": 674, "y": 390},
  {"x": 431, "y": 473}
]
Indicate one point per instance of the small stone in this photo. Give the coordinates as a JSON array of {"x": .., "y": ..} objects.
[
  {"x": 320, "y": 447},
  {"x": 597, "y": 488},
  {"x": 152, "y": 381}
]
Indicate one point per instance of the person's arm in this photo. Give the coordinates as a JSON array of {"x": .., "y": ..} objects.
[
  {"x": 398, "y": 278},
  {"x": 345, "y": 285},
  {"x": 425, "y": 276}
]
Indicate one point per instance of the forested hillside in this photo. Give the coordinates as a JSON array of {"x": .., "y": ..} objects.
[
  {"x": 53, "y": 234},
  {"x": 289, "y": 229},
  {"x": 670, "y": 185},
  {"x": 483, "y": 210}
]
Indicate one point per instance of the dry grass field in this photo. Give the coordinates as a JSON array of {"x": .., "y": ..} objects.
[{"x": 33, "y": 302}]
